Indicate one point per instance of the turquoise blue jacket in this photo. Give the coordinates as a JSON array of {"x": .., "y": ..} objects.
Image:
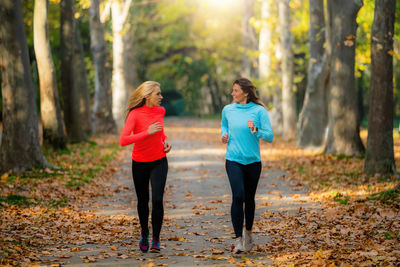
[{"x": 243, "y": 145}]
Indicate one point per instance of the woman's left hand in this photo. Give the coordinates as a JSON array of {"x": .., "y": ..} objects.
[
  {"x": 251, "y": 125},
  {"x": 167, "y": 147}
]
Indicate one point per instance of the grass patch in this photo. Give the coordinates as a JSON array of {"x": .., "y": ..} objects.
[
  {"x": 390, "y": 196},
  {"x": 15, "y": 200},
  {"x": 390, "y": 235},
  {"x": 76, "y": 166},
  {"x": 342, "y": 199}
]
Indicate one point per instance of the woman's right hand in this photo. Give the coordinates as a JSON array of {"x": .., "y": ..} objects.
[
  {"x": 155, "y": 127},
  {"x": 225, "y": 139}
]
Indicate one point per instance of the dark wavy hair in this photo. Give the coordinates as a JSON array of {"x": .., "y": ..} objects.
[{"x": 248, "y": 87}]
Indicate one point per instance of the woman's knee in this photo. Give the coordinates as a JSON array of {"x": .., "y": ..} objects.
[
  {"x": 143, "y": 201},
  {"x": 157, "y": 203},
  {"x": 238, "y": 198}
]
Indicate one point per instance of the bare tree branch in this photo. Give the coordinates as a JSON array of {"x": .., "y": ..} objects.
[
  {"x": 106, "y": 12},
  {"x": 125, "y": 13}
]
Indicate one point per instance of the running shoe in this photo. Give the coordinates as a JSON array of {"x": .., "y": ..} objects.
[
  {"x": 238, "y": 246},
  {"x": 144, "y": 243},
  {"x": 155, "y": 245},
  {"x": 248, "y": 241}
]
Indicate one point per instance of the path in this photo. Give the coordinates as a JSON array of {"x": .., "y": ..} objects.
[{"x": 197, "y": 229}]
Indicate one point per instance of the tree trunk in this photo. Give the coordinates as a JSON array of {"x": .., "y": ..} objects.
[
  {"x": 313, "y": 118},
  {"x": 81, "y": 82},
  {"x": 71, "y": 94},
  {"x": 276, "y": 116},
  {"x": 129, "y": 60},
  {"x": 379, "y": 156},
  {"x": 344, "y": 129},
  {"x": 120, "y": 93},
  {"x": 265, "y": 47},
  {"x": 20, "y": 146},
  {"x": 52, "y": 122},
  {"x": 288, "y": 96},
  {"x": 103, "y": 121},
  {"x": 249, "y": 40},
  {"x": 215, "y": 94}
]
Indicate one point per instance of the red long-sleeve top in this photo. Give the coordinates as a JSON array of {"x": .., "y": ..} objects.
[{"x": 146, "y": 147}]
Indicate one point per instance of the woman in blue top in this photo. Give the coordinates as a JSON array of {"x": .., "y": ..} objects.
[{"x": 244, "y": 122}]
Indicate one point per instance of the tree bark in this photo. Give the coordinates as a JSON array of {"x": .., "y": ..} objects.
[
  {"x": 276, "y": 116},
  {"x": 81, "y": 82},
  {"x": 343, "y": 127},
  {"x": 52, "y": 122},
  {"x": 103, "y": 121},
  {"x": 249, "y": 40},
  {"x": 129, "y": 62},
  {"x": 71, "y": 94},
  {"x": 20, "y": 146},
  {"x": 313, "y": 118},
  {"x": 265, "y": 46},
  {"x": 379, "y": 156},
  {"x": 120, "y": 93},
  {"x": 288, "y": 96}
]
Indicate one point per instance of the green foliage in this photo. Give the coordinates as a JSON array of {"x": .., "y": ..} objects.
[
  {"x": 181, "y": 43},
  {"x": 190, "y": 45}
]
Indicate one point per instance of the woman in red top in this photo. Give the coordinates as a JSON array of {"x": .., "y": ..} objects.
[{"x": 144, "y": 128}]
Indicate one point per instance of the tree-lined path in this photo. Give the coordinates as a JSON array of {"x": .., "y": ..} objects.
[
  {"x": 197, "y": 228},
  {"x": 312, "y": 209},
  {"x": 328, "y": 73}
]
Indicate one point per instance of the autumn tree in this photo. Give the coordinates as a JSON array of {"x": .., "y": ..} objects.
[
  {"x": 71, "y": 93},
  {"x": 20, "y": 147},
  {"x": 313, "y": 117},
  {"x": 288, "y": 96},
  {"x": 52, "y": 121},
  {"x": 249, "y": 39},
  {"x": 81, "y": 81},
  {"x": 343, "y": 123},
  {"x": 120, "y": 89},
  {"x": 265, "y": 46},
  {"x": 103, "y": 121},
  {"x": 379, "y": 153}
]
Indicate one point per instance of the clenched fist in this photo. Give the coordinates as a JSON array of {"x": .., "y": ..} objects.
[
  {"x": 155, "y": 127},
  {"x": 225, "y": 139}
]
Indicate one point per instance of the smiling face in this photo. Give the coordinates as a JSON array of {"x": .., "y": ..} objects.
[
  {"x": 238, "y": 95},
  {"x": 154, "y": 100}
]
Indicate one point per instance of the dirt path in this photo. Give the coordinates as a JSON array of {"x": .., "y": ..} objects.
[{"x": 197, "y": 228}]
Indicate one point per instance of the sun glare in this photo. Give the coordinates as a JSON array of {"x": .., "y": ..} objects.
[{"x": 221, "y": 4}]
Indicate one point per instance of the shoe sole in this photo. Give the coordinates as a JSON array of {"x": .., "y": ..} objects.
[
  {"x": 153, "y": 250},
  {"x": 238, "y": 251},
  {"x": 249, "y": 249}
]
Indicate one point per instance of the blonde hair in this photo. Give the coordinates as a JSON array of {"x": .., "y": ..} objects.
[{"x": 138, "y": 97}]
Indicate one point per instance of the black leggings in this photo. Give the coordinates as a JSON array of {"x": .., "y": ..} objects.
[
  {"x": 154, "y": 172},
  {"x": 243, "y": 180}
]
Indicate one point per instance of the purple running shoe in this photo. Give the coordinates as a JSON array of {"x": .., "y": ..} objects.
[
  {"x": 155, "y": 245},
  {"x": 144, "y": 243}
]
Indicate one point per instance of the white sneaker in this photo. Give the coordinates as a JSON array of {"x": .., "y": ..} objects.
[
  {"x": 248, "y": 241},
  {"x": 238, "y": 246}
]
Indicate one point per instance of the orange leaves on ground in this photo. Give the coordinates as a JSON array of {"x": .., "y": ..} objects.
[
  {"x": 43, "y": 208},
  {"x": 347, "y": 226}
]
